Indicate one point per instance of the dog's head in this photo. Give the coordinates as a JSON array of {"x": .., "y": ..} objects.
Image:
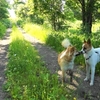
[
  {"x": 71, "y": 50},
  {"x": 86, "y": 46},
  {"x": 67, "y": 54},
  {"x": 70, "y": 53}
]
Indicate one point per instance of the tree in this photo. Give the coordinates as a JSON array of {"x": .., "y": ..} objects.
[
  {"x": 87, "y": 7},
  {"x": 55, "y": 11},
  {"x": 51, "y": 10},
  {"x": 24, "y": 10},
  {"x": 97, "y": 10}
]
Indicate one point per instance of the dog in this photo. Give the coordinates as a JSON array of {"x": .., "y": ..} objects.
[
  {"x": 92, "y": 57},
  {"x": 66, "y": 59}
]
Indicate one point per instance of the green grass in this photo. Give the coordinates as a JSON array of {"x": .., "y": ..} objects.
[
  {"x": 37, "y": 31},
  {"x": 27, "y": 77}
]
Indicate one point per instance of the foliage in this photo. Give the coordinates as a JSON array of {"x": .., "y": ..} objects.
[
  {"x": 27, "y": 79},
  {"x": 20, "y": 22},
  {"x": 39, "y": 11},
  {"x": 24, "y": 10},
  {"x": 96, "y": 11},
  {"x": 2, "y": 30},
  {"x": 37, "y": 31},
  {"x": 87, "y": 14},
  {"x": 6, "y": 22},
  {"x": 3, "y": 9},
  {"x": 54, "y": 40},
  {"x": 58, "y": 12}
]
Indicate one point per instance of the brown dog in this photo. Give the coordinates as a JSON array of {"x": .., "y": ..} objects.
[{"x": 66, "y": 61}]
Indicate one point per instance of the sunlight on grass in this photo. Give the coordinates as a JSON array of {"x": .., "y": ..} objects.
[
  {"x": 75, "y": 24},
  {"x": 37, "y": 31},
  {"x": 96, "y": 27},
  {"x": 15, "y": 34}
]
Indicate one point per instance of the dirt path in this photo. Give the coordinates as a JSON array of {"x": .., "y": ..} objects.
[{"x": 3, "y": 61}]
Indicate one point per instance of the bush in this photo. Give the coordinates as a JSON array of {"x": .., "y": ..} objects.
[
  {"x": 6, "y": 23},
  {"x": 20, "y": 23},
  {"x": 37, "y": 20},
  {"x": 54, "y": 40},
  {"x": 2, "y": 30}
]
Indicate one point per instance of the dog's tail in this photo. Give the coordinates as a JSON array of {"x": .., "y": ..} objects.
[{"x": 66, "y": 43}]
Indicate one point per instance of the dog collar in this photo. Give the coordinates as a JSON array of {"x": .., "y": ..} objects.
[{"x": 88, "y": 57}]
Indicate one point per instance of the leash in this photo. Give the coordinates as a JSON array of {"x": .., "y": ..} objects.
[
  {"x": 91, "y": 55},
  {"x": 78, "y": 53},
  {"x": 88, "y": 57},
  {"x": 81, "y": 52}
]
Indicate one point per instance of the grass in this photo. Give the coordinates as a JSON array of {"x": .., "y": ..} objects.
[
  {"x": 37, "y": 31},
  {"x": 27, "y": 77}
]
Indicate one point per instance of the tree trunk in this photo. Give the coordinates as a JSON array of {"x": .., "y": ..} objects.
[
  {"x": 83, "y": 12},
  {"x": 87, "y": 12}
]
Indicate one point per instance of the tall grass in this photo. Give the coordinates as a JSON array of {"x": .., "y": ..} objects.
[
  {"x": 27, "y": 77},
  {"x": 37, "y": 31}
]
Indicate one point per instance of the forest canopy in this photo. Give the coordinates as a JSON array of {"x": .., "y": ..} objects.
[{"x": 58, "y": 12}]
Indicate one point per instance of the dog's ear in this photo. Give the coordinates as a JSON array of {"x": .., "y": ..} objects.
[
  {"x": 89, "y": 41},
  {"x": 84, "y": 41}
]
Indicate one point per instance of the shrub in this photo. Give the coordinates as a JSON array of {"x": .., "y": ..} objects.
[
  {"x": 20, "y": 23},
  {"x": 6, "y": 23},
  {"x": 54, "y": 40},
  {"x": 2, "y": 30}
]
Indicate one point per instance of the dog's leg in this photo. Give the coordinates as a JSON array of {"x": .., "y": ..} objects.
[
  {"x": 92, "y": 75},
  {"x": 63, "y": 76},
  {"x": 87, "y": 72},
  {"x": 71, "y": 75}
]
